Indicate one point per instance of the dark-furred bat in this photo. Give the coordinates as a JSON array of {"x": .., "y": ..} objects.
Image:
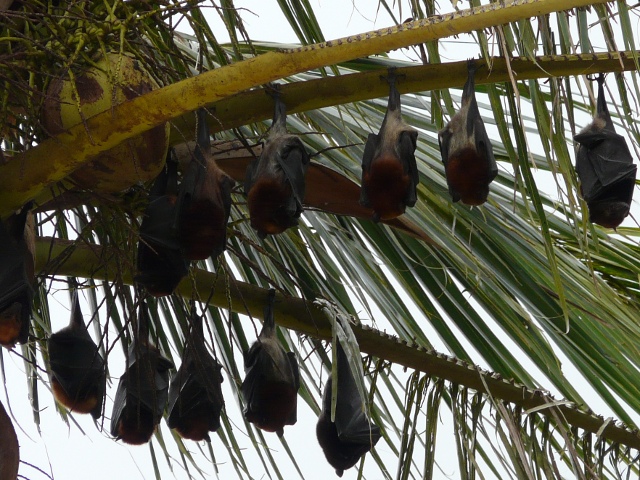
[
  {"x": 605, "y": 167},
  {"x": 17, "y": 275},
  {"x": 270, "y": 387},
  {"x": 204, "y": 201},
  {"x": 160, "y": 262},
  {"x": 142, "y": 390},
  {"x": 275, "y": 182},
  {"x": 352, "y": 434},
  {"x": 389, "y": 170},
  {"x": 466, "y": 150},
  {"x": 77, "y": 368},
  {"x": 195, "y": 394}
]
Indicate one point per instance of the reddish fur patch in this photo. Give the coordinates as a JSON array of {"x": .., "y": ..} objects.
[
  {"x": 277, "y": 402},
  {"x": 136, "y": 426},
  {"x": 267, "y": 202},
  {"x": 468, "y": 176},
  {"x": 77, "y": 404},
  {"x": 10, "y": 324},
  {"x": 196, "y": 425},
  {"x": 202, "y": 227},
  {"x": 386, "y": 185}
]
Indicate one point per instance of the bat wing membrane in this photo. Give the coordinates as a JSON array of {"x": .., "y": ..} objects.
[
  {"x": 293, "y": 159},
  {"x": 407, "y": 147},
  {"x": 370, "y": 147},
  {"x": 603, "y": 162}
]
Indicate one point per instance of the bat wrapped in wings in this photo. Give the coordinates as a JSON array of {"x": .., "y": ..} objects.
[
  {"x": 270, "y": 387},
  {"x": 160, "y": 262},
  {"x": 77, "y": 368},
  {"x": 17, "y": 275},
  {"x": 389, "y": 169},
  {"x": 605, "y": 167},
  {"x": 204, "y": 201},
  {"x": 352, "y": 435},
  {"x": 142, "y": 390},
  {"x": 466, "y": 149},
  {"x": 195, "y": 394},
  {"x": 275, "y": 182}
]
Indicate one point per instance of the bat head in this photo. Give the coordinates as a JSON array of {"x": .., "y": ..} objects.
[
  {"x": 14, "y": 322},
  {"x": 341, "y": 455},
  {"x": 386, "y": 184},
  {"x": 272, "y": 207},
  {"x": 608, "y": 213}
]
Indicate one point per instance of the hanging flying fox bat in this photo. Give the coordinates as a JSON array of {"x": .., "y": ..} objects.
[
  {"x": 77, "y": 368},
  {"x": 466, "y": 149},
  {"x": 389, "y": 170},
  {"x": 160, "y": 262},
  {"x": 272, "y": 379},
  {"x": 204, "y": 201},
  {"x": 142, "y": 390},
  {"x": 605, "y": 167},
  {"x": 195, "y": 394},
  {"x": 352, "y": 434},
  {"x": 275, "y": 182},
  {"x": 17, "y": 276}
]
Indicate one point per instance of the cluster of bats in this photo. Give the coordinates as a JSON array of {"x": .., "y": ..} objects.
[
  {"x": 187, "y": 220},
  {"x": 193, "y": 399}
]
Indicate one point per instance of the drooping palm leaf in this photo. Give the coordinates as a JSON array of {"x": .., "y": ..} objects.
[{"x": 509, "y": 285}]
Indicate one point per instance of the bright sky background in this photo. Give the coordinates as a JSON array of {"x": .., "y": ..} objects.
[{"x": 66, "y": 453}]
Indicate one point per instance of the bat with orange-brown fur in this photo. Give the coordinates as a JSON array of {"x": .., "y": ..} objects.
[
  {"x": 389, "y": 170},
  {"x": 143, "y": 388},
  {"x": 204, "y": 200},
  {"x": 195, "y": 394},
  {"x": 275, "y": 182},
  {"x": 270, "y": 387},
  {"x": 17, "y": 275},
  {"x": 77, "y": 369},
  {"x": 466, "y": 149}
]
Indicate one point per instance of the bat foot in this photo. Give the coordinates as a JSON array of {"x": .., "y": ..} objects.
[
  {"x": 472, "y": 66},
  {"x": 273, "y": 90},
  {"x": 392, "y": 76},
  {"x": 595, "y": 78}
]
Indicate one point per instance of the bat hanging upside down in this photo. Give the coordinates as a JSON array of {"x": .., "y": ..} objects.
[
  {"x": 270, "y": 387},
  {"x": 466, "y": 150},
  {"x": 352, "y": 435},
  {"x": 204, "y": 201},
  {"x": 77, "y": 368},
  {"x": 605, "y": 167},
  {"x": 142, "y": 390},
  {"x": 195, "y": 394},
  {"x": 389, "y": 169},
  {"x": 160, "y": 262},
  {"x": 17, "y": 276},
  {"x": 275, "y": 182}
]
